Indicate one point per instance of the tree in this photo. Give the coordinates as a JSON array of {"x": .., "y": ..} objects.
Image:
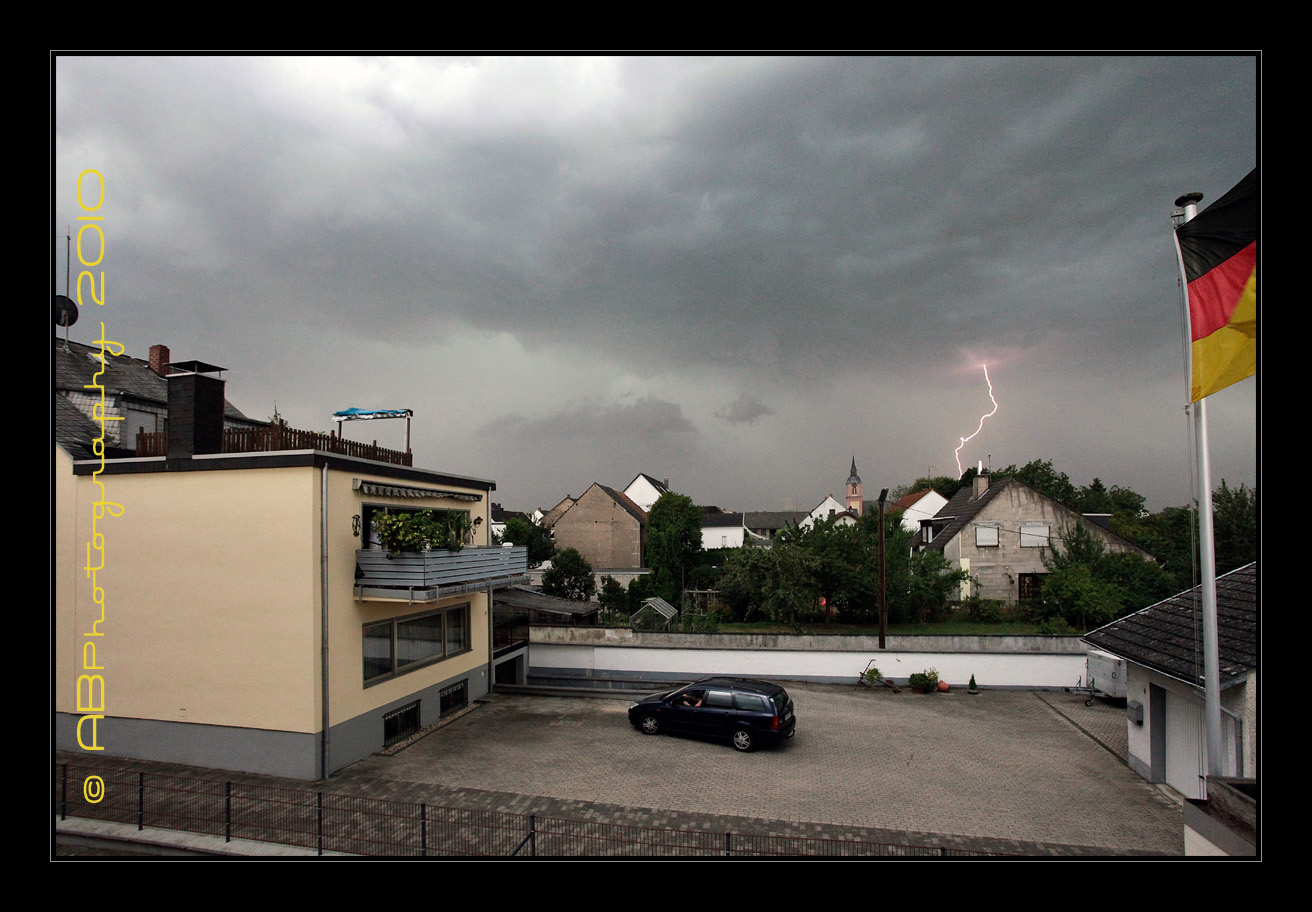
[
  {"x": 674, "y": 542},
  {"x": 535, "y": 538},
  {"x": 945, "y": 485},
  {"x": 846, "y": 564},
  {"x": 1042, "y": 477},
  {"x": 1234, "y": 523},
  {"x": 1088, "y": 586},
  {"x": 569, "y": 577}
]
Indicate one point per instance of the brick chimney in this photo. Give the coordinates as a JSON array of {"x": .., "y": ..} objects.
[
  {"x": 196, "y": 406},
  {"x": 159, "y": 359},
  {"x": 979, "y": 484}
]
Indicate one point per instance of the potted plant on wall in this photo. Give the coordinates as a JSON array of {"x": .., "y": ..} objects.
[{"x": 421, "y": 531}]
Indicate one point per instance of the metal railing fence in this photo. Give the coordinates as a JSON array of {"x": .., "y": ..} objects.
[{"x": 356, "y": 825}]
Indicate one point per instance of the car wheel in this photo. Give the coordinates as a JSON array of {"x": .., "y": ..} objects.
[
  {"x": 650, "y": 725},
  {"x": 742, "y": 739}
]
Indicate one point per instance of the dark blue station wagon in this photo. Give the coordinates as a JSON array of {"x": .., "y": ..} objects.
[{"x": 745, "y": 712}]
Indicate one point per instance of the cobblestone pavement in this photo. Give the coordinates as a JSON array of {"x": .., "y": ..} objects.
[
  {"x": 1004, "y": 765},
  {"x": 1015, "y": 772}
]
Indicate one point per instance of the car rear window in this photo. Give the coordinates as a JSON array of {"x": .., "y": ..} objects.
[
  {"x": 750, "y": 702},
  {"x": 780, "y": 700}
]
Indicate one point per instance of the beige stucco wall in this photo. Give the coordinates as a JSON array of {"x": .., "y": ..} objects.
[
  {"x": 209, "y": 585},
  {"x": 212, "y": 597}
]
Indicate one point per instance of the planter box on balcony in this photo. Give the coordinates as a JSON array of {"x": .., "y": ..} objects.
[{"x": 422, "y": 575}]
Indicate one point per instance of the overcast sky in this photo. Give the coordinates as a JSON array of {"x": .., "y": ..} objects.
[{"x": 734, "y": 273}]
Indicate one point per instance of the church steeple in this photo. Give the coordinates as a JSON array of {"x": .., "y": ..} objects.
[{"x": 854, "y": 500}]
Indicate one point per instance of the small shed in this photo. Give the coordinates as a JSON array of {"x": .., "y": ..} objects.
[{"x": 663, "y": 608}]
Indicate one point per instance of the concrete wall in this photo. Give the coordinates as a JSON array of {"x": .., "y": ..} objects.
[{"x": 1042, "y": 662}]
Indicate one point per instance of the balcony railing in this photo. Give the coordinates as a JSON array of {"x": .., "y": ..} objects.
[
  {"x": 276, "y": 437},
  {"x": 432, "y": 575}
]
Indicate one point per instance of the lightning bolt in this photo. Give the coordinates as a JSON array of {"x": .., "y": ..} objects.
[{"x": 964, "y": 440}]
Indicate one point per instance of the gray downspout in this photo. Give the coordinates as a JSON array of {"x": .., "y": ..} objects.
[
  {"x": 491, "y": 647},
  {"x": 323, "y": 620}
]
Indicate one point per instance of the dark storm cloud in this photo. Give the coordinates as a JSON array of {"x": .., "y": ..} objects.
[
  {"x": 744, "y": 410},
  {"x": 815, "y": 223}
]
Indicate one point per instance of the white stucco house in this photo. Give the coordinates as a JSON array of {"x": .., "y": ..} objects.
[
  {"x": 1162, "y": 648},
  {"x": 919, "y": 506},
  {"x": 645, "y": 490}
]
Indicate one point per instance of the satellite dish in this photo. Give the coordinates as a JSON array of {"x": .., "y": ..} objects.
[{"x": 65, "y": 311}]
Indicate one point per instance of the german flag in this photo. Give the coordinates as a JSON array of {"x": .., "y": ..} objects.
[{"x": 1218, "y": 251}]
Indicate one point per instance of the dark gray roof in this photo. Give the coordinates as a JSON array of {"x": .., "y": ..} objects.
[
  {"x": 775, "y": 519},
  {"x": 533, "y": 600},
  {"x": 656, "y": 483},
  {"x": 1168, "y": 637},
  {"x": 75, "y": 368},
  {"x": 626, "y": 502},
  {"x": 74, "y": 431},
  {"x": 961, "y": 509}
]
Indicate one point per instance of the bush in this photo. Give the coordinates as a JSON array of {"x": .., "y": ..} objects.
[
  {"x": 699, "y": 622},
  {"x": 570, "y": 577},
  {"x": 424, "y": 530},
  {"x": 983, "y": 611},
  {"x": 926, "y": 680}
]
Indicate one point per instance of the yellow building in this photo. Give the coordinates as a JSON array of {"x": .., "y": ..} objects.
[{"x": 211, "y": 607}]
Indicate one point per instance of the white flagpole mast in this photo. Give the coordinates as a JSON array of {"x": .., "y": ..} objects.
[{"x": 1206, "y": 542}]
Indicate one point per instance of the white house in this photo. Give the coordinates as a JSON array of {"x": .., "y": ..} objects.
[
  {"x": 1161, "y": 646},
  {"x": 645, "y": 491}
]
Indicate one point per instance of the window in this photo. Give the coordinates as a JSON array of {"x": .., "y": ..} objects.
[
  {"x": 750, "y": 702},
  {"x": 400, "y": 724},
  {"x": 403, "y": 644},
  {"x": 1031, "y": 585},
  {"x": 986, "y": 536},
  {"x": 1034, "y": 535},
  {"x": 719, "y": 699}
]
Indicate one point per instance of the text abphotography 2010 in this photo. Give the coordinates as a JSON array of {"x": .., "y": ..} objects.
[{"x": 91, "y": 689}]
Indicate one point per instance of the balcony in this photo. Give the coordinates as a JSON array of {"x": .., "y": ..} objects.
[{"x": 433, "y": 575}]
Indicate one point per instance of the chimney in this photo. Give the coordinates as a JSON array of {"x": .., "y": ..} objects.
[
  {"x": 979, "y": 484},
  {"x": 159, "y": 359},
  {"x": 196, "y": 406}
]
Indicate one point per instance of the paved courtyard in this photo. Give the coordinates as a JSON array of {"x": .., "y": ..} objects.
[{"x": 1006, "y": 770}]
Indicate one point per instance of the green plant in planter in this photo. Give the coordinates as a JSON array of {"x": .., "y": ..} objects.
[
  {"x": 972, "y": 688},
  {"x": 926, "y": 680},
  {"x": 426, "y": 530},
  {"x": 873, "y": 676}
]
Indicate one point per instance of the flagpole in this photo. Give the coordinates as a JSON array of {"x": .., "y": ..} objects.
[{"x": 1206, "y": 540}]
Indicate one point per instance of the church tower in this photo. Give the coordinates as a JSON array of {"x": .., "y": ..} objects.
[{"x": 854, "y": 501}]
